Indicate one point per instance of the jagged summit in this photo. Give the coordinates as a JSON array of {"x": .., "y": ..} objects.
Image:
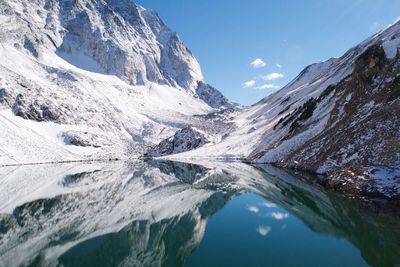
[
  {"x": 111, "y": 37},
  {"x": 86, "y": 79}
]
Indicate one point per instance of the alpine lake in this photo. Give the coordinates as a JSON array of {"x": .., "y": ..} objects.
[{"x": 161, "y": 213}]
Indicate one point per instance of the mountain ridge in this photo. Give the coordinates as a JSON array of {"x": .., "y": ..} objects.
[
  {"x": 87, "y": 79},
  {"x": 336, "y": 117},
  {"x": 123, "y": 38}
]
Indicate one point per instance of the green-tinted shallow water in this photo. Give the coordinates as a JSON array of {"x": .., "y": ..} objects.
[{"x": 174, "y": 214}]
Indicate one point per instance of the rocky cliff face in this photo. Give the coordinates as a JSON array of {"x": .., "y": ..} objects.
[
  {"x": 363, "y": 123},
  {"x": 122, "y": 38},
  {"x": 183, "y": 140},
  {"x": 108, "y": 77},
  {"x": 349, "y": 128},
  {"x": 358, "y": 148}
]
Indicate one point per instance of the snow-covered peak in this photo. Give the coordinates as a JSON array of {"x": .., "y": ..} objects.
[
  {"x": 94, "y": 79},
  {"x": 116, "y": 37}
]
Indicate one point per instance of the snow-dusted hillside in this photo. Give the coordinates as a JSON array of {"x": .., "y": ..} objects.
[
  {"x": 262, "y": 134},
  {"x": 337, "y": 115},
  {"x": 89, "y": 79}
]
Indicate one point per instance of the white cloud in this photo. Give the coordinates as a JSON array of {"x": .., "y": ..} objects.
[
  {"x": 268, "y": 86},
  {"x": 273, "y": 76},
  {"x": 278, "y": 65},
  {"x": 279, "y": 215},
  {"x": 268, "y": 205},
  {"x": 263, "y": 230},
  {"x": 249, "y": 84},
  {"x": 253, "y": 209},
  {"x": 258, "y": 63}
]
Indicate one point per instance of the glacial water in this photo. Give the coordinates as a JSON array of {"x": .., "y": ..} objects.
[{"x": 176, "y": 214}]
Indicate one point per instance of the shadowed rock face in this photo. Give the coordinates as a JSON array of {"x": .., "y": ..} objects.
[
  {"x": 155, "y": 213},
  {"x": 361, "y": 136},
  {"x": 341, "y": 118},
  {"x": 363, "y": 125}
]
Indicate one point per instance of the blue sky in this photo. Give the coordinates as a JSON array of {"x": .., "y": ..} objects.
[{"x": 226, "y": 36}]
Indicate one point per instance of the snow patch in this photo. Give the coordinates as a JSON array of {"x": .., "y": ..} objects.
[
  {"x": 81, "y": 61},
  {"x": 391, "y": 47}
]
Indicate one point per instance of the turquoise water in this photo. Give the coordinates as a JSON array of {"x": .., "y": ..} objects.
[
  {"x": 175, "y": 214},
  {"x": 250, "y": 231}
]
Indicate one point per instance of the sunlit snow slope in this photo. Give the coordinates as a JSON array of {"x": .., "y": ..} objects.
[{"x": 89, "y": 79}]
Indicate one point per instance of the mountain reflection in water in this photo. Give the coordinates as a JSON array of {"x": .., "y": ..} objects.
[{"x": 158, "y": 214}]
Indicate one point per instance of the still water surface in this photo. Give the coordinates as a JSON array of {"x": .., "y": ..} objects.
[{"x": 176, "y": 214}]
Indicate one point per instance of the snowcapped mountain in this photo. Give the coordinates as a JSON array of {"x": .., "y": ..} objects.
[
  {"x": 87, "y": 79},
  {"x": 339, "y": 117},
  {"x": 112, "y": 37}
]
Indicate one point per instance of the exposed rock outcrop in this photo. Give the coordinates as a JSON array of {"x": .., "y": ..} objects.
[{"x": 187, "y": 139}]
